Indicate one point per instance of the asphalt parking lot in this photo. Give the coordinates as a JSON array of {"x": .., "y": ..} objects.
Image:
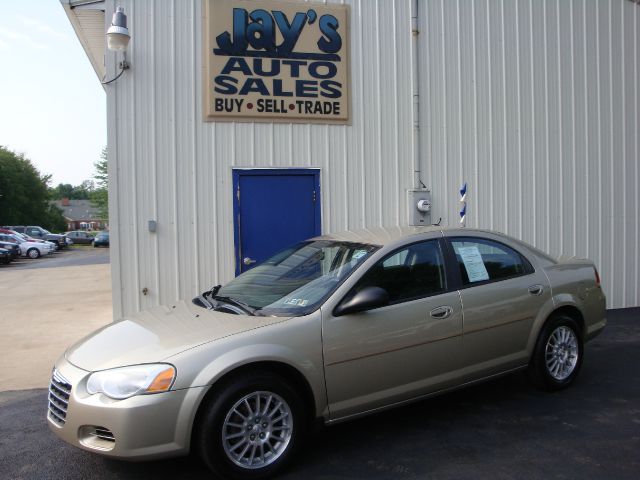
[
  {"x": 503, "y": 429},
  {"x": 68, "y": 257}
]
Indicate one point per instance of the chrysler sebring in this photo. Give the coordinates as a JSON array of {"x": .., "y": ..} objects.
[{"x": 330, "y": 329}]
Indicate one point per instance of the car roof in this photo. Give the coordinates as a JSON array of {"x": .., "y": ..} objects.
[
  {"x": 386, "y": 235},
  {"x": 377, "y": 235}
]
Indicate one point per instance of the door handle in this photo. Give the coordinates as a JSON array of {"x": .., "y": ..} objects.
[
  {"x": 441, "y": 312},
  {"x": 536, "y": 289},
  {"x": 248, "y": 261}
]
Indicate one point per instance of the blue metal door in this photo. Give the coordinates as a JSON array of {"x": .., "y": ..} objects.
[{"x": 273, "y": 209}]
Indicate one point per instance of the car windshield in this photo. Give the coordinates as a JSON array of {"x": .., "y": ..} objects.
[
  {"x": 103, "y": 235},
  {"x": 297, "y": 280}
]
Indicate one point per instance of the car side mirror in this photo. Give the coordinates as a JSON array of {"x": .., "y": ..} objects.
[{"x": 366, "y": 299}]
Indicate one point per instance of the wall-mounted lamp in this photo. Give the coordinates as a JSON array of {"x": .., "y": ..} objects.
[{"x": 118, "y": 39}]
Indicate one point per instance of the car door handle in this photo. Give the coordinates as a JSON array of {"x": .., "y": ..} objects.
[
  {"x": 441, "y": 312},
  {"x": 536, "y": 289}
]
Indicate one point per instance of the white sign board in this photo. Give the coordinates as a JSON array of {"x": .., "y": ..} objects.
[{"x": 473, "y": 263}]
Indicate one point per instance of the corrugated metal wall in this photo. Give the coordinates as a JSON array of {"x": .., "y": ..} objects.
[
  {"x": 533, "y": 103},
  {"x": 169, "y": 165}
]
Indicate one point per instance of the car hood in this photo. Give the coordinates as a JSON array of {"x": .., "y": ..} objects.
[
  {"x": 158, "y": 333},
  {"x": 27, "y": 243}
]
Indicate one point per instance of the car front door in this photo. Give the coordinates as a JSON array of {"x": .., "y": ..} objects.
[
  {"x": 501, "y": 293},
  {"x": 399, "y": 351}
]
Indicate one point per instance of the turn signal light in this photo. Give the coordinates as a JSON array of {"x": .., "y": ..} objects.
[
  {"x": 597, "y": 276},
  {"x": 162, "y": 382}
]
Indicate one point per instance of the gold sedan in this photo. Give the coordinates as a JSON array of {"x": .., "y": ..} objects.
[{"x": 333, "y": 328}]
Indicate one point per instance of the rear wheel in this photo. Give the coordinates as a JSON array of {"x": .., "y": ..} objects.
[
  {"x": 557, "y": 357},
  {"x": 251, "y": 427},
  {"x": 33, "y": 253}
]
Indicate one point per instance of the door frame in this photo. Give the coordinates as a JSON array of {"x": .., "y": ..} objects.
[{"x": 238, "y": 172}]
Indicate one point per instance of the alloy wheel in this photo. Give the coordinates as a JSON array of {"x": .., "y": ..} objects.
[
  {"x": 257, "y": 430},
  {"x": 561, "y": 353}
]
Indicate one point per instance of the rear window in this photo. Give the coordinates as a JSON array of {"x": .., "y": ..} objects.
[{"x": 481, "y": 260}]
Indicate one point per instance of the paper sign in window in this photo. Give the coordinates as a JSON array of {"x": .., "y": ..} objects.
[{"x": 473, "y": 263}]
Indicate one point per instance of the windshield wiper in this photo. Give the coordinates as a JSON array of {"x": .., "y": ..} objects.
[
  {"x": 202, "y": 300},
  {"x": 232, "y": 301}
]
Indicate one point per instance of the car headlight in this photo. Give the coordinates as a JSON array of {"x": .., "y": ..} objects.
[{"x": 125, "y": 382}]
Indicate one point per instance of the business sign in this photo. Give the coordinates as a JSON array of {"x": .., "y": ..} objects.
[{"x": 276, "y": 61}]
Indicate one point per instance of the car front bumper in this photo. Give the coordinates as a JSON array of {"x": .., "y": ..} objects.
[{"x": 141, "y": 427}]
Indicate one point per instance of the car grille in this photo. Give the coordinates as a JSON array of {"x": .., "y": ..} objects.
[{"x": 59, "y": 392}]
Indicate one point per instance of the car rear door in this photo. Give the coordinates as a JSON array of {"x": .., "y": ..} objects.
[
  {"x": 501, "y": 295},
  {"x": 394, "y": 353}
]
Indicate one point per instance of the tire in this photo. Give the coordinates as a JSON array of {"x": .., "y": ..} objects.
[
  {"x": 33, "y": 253},
  {"x": 226, "y": 413},
  {"x": 558, "y": 354}
]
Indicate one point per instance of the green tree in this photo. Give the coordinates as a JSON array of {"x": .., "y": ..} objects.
[
  {"x": 78, "y": 192},
  {"x": 63, "y": 190},
  {"x": 24, "y": 194},
  {"x": 100, "y": 194}
]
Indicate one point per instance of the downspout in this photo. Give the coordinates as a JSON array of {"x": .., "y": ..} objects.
[{"x": 415, "y": 81}]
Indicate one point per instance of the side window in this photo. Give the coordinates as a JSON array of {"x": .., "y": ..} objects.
[
  {"x": 480, "y": 260},
  {"x": 412, "y": 272}
]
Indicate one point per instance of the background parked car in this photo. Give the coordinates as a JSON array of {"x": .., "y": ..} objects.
[
  {"x": 28, "y": 249},
  {"x": 5, "y": 256},
  {"x": 41, "y": 234},
  {"x": 80, "y": 237},
  {"x": 12, "y": 248},
  {"x": 101, "y": 240},
  {"x": 52, "y": 246}
]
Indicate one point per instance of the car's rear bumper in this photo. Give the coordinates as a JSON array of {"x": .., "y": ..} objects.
[{"x": 594, "y": 330}]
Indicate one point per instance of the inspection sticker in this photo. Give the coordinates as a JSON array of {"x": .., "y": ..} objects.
[
  {"x": 298, "y": 302},
  {"x": 473, "y": 263}
]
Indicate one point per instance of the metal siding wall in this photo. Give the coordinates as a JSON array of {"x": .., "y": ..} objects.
[
  {"x": 535, "y": 104},
  {"x": 169, "y": 165}
]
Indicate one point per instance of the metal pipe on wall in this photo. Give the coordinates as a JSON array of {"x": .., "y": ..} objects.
[{"x": 415, "y": 86}]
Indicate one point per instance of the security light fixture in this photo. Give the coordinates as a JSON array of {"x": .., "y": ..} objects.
[
  {"x": 118, "y": 33},
  {"x": 118, "y": 39}
]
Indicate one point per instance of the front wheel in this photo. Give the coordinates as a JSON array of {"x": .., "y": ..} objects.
[
  {"x": 557, "y": 357},
  {"x": 251, "y": 427},
  {"x": 33, "y": 253}
]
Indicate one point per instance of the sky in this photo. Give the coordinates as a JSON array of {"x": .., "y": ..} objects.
[{"x": 52, "y": 105}]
